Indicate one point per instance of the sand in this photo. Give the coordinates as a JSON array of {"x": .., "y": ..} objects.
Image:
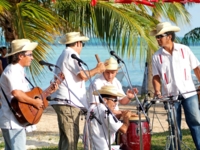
[{"x": 47, "y": 129}]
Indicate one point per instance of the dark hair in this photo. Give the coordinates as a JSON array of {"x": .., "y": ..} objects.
[
  {"x": 71, "y": 44},
  {"x": 172, "y": 33},
  {"x": 103, "y": 95},
  {"x": 15, "y": 58}
]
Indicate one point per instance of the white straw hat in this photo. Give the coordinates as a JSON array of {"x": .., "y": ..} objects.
[
  {"x": 109, "y": 90},
  {"x": 20, "y": 45},
  {"x": 164, "y": 27},
  {"x": 72, "y": 37},
  {"x": 111, "y": 64}
]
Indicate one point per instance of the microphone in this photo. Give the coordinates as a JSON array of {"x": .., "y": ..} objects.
[
  {"x": 78, "y": 59},
  {"x": 117, "y": 57},
  {"x": 41, "y": 62}
]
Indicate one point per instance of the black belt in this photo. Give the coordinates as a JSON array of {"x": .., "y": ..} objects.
[{"x": 60, "y": 100}]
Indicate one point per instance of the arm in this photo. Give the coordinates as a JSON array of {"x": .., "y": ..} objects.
[
  {"x": 22, "y": 97},
  {"x": 197, "y": 72},
  {"x": 98, "y": 69},
  {"x": 129, "y": 95},
  {"x": 126, "y": 118},
  {"x": 1, "y": 67},
  {"x": 157, "y": 85}
]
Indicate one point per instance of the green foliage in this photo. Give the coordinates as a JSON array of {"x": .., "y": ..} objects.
[{"x": 192, "y": 37}]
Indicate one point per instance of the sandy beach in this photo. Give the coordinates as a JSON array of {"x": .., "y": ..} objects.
[{"x": 47, "y": 129}]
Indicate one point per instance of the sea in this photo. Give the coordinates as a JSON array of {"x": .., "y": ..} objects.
[{"x": 132, "y": 72}]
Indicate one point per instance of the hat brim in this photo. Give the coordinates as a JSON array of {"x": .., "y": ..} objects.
[
  {"x": 81, "y": 38},
  {"x": 29, "y": 47},
  {"x": 173, "y": 28},
  {"x": 112, "y": 93}
]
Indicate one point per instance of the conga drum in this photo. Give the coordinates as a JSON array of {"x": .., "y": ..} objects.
[{"x": 131, "y": 139}]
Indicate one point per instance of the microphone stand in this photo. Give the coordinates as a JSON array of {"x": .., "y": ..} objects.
[
  {"x": 108, "y": 111},
  {"x": 140, "y": 108}
]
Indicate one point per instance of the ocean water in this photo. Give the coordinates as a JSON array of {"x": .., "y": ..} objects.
[{"x": 135, "y": 67}]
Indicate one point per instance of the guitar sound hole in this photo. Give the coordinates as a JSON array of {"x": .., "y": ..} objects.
[{"x": 37, "y": 97}]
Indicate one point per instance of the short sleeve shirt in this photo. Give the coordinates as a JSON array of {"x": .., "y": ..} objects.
[
  {"x": 99, "y": 82},
  {"x": 175, "y": 70},
  {"x": 99, "y": 132},
  {"x": 13, "y": 78},
  {"x": 72, "y": 88}
]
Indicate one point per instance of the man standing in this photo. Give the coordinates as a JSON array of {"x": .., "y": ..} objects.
[
  {"x": 99, "y": 133},
  {"x": 71, "y": 95},
  {"x": 108, "y": 77},
  {"x": 14, "y": 84},
  {"x": 171, "y": 67}
]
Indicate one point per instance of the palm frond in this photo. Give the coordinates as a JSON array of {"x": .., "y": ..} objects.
[{"x": 192, "y": 37}]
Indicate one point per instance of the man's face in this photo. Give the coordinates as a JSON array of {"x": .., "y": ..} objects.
[
  {"x": 26, "y": 59},
  {"x": 162, "y": 39},
  {"x": 111, "y": 102},
  {"x": 109, "y": 75}
]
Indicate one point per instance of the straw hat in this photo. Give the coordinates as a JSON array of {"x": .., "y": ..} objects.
[
  {"x": 164, "y": 27},
  {"x": 72, "y": 37},
  {"x": 111, "y": 64},
  {"x": 109, "y": 90},
  {"x": 20, "y": 45}
]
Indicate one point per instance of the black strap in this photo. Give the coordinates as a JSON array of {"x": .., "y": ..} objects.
[
  {"x": 8, "y": 102},
  {"x": 29, "y": 82}
]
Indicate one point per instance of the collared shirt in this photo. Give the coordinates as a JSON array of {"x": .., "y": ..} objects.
[
  {"x": 13, "y": 78},
  {"x": 175, "y": 70},
  {"x": 99, "y": 82},
  {"x": 72, "y": 88},
  {"x": 99, "y": 133}
]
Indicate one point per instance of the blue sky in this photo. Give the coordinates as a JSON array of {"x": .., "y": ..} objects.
[{"x": 194, "y": 10}]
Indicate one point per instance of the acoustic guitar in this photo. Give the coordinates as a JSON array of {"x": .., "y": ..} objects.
[{"x": 27, "y": 114}]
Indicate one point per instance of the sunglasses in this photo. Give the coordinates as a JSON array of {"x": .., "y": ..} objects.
[
  {"x": 83, "y": 44},
  {"x": 161, "y": 36},
  {"x": 112, "y": 99},
  {"x": 30, "y": 55}
]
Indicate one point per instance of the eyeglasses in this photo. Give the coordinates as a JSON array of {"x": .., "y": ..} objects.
[
  {"x": 112, "y": 99},
  {"x": 30, "y": 55},
  {"x": 161, "y": 36},
  {"x": 83, "y": 44}
]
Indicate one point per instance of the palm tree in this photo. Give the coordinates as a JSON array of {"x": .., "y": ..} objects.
[
  {"x": 121, "y": 27},
  {"x": 192, "y": 37}
]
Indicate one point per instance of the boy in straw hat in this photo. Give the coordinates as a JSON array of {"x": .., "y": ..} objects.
[
  {"x": 99, "y": 136},
  {"x": 171, "y": 67},
  {"x": 68, "y": 112},
  {"x": 108, "y": 77},
  {"x": 14, "y": 84}
]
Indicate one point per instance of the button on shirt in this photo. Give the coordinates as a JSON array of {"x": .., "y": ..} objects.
[
  {"x": 72, "y": 87},
  {"x": 175, "y": 70},
  {"x": 13, "y": 78}
]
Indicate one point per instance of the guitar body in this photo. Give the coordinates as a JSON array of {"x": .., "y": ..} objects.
[{"x": 27, "y": 114}]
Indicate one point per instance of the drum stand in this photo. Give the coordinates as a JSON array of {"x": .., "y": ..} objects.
[{"x": 173, "y": 141}]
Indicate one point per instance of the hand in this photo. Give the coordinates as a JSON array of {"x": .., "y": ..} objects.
[
  {"x": 54, "y": 87},
  {"x": 38, "y": 103},
  {"x": 126, "y": 114},
  {"x": 101, "y": 67},
  {"x": 130, "y": 93}
]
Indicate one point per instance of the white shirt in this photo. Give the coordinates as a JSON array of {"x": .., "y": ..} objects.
[
  {"x": 13, "y": 78},
  {"x": 175, "y": 70},
  {"x": 99, "y": 82},
  {"x": 99, "y": 133},
  {"x": 72, "y": 88}
]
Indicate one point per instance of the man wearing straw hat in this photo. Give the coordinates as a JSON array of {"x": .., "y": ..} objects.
[
  {"x": 171, "y": 67},
  {"x": 71, "y": 95},
  {"x": 99, "y": 135},
  {"x": 14, "y": 84},
  {"x": 108, "y": 77}
]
